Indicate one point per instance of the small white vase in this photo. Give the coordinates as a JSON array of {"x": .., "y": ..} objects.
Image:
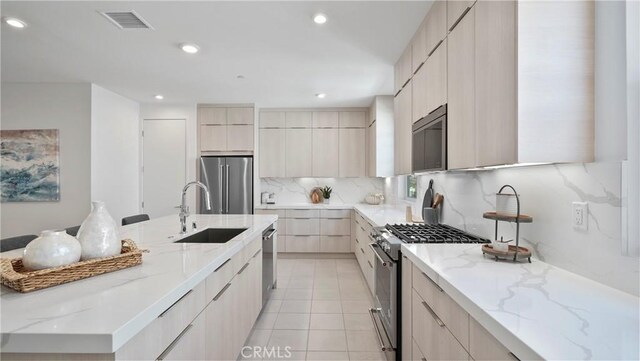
[
  {"x": 98, "y": 234},
  {"x": 51, "y": 249}
]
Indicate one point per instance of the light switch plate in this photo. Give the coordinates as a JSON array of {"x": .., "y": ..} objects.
[{"x": 580, "y": 215}]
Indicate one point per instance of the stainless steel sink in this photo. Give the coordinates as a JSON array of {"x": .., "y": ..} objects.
[{"x": 213, "y": 235}]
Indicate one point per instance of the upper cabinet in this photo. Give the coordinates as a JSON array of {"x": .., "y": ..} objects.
[
  {"x": 402, "y": 70},
  {"x": 225, "y": 129},
  {"x": 512, "y": 95},
  {"x": 380, "y": 140},
  {"x": 313, "y": 143},
  {"x": 435, "y": 25}
]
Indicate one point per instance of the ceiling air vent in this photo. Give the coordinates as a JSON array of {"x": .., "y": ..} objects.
[{"x": 127, "y": 20}]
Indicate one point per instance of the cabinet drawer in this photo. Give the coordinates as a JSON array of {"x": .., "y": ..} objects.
[
  {"x": 189, "y": 345},
  {"x": 282, "y": 243},
  {"x": 335, "y": 213},
  {"x": 302, "y": 213},
  {"x": 222, "y": 275},
  {"x": 483, "y": 346},
  {"x": 154, "y": 339},
  {"x": 278, "y": 212},
  {"x": 416, "y": 354},
  {"x": 455, "y": 318},
  {"x": 431, "y": 335},
  {"x": 303, "y": 226},
  {"x": 335, "y": 226},
  {"x": 251, "y": 249},
  {"x": 335, "y": 244},
  {"x": 303, "y": 244}
]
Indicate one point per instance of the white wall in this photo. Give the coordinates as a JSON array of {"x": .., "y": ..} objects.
[
  {"x": 188, "y": 112},
  {"x": 115, "y": 145},
  {"x": 66, "y": 107}
]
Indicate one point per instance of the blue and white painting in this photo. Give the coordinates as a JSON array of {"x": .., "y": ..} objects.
[{"x": 30, "y": 165}]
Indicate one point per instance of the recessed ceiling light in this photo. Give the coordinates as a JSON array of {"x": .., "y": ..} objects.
[
  {"x": 16, "y": 23},
  {"x": 159, "y": 97},
  {"x": 320, "y": 18},
  {"x": 190, "y": 48},
  {"x": 321, "y": 95},
  {"x": 240, "y": 76}
]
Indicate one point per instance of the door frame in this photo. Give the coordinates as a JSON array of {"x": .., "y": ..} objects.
[{"x": 141, "y": 135}]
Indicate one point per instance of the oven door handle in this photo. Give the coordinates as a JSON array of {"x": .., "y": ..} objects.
[
  {"x": 373, "y": 247},
  {"x": 383, "y": 346}
]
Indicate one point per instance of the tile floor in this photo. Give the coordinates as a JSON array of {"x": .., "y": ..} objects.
[{"x": 320, "y": 310}]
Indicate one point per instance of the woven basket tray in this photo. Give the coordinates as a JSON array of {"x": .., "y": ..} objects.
[{"x": 15, "y": 276}]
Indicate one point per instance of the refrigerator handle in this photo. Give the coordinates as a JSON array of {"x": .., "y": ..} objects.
[
  {"x": 226, "y": 193},
  {"x": 220, "y": 183}
]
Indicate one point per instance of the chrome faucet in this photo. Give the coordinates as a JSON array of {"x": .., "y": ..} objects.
[{"x": 184, "y": 209}]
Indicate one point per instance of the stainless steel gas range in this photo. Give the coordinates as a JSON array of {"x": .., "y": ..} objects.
[{"x": 385, "y": 243}]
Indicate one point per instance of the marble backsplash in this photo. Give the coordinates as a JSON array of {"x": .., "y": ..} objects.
[
  {"x": 547, "y": 193},
  {"x": 345, "y": 190}
]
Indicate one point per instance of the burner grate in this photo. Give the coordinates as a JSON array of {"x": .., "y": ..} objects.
[{"x": 440, "y": 233}]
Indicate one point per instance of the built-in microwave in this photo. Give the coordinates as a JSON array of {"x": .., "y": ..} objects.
[{"x": 429, "y": 142}]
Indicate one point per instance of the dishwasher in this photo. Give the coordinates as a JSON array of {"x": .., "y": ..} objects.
[{"x": 269, "y": 262}]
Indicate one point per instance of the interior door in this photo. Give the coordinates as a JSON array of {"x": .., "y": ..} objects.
[
  {"x": 164, "y": 165},
  {"x": 239, "y": 185}
]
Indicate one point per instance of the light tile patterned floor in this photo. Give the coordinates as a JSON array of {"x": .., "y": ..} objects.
[{"x": 320, "y": 311}]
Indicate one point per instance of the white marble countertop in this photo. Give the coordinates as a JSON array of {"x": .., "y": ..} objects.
[
  {"x": 305, "y": 206},
  {"x": 536, "y": 310},
  {"x": 100, "y": 314}
]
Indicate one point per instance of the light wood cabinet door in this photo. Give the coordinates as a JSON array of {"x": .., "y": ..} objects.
[
  {"x": 436, "y": 25},
  {"x": 190, "y": 344},
  {"x": 303, "y": 244},
  {"x": 352, "y": 119},
  {"x": 372, "y": 151},
  {"x": 298, "y": 155},
  {"x": 406, "y": 343},
  {"x": 456, "y": 9},
  {"x": 402, "y": 132},
  {"x": 325, "y": 119},
  {"x": 326, "y": 152},
  {"x": 416, "y": 354},
  {"x": 335, "y": 244},
  {"x": 272, "y": 120},
  {"x": 461, "y": 124},
  {"x": 352, "y": 150},
  {"x": 272, "y": 153},
  {"x": 240, "y": 115},
  {"x": 419, "y": 86},
  {"x": 402, "y": 70},
  {"x": 212, "y": 115},
  {"x": 436, "y": 69},
  {"x": 495, "y": 82},
  {"x": 335, "y": 226},
  {"x": 220, "y": 324},
  {"x": 483, "y": 346},
  {"x": 298, "y": 119},
  {"x": 240, "y": 138},
  {"x": 419, "y": 47},
  {"x": 213, "y": 138}
]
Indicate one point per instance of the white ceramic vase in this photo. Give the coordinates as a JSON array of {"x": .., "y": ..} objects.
[
  {"x": 51, "y": 249},
  {"x": 98, "y": 234}
]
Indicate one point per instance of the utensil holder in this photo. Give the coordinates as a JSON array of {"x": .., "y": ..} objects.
[{"x": 430, "y": 215}]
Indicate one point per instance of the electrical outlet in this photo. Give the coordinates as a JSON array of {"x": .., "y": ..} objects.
[{"x": 580, "y": 214}]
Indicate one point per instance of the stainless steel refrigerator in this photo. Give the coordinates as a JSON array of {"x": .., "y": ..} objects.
[{"x": 230, "y": 182}]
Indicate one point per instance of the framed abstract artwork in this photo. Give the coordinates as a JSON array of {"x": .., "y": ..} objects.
[{"x": 30, "y": 165}]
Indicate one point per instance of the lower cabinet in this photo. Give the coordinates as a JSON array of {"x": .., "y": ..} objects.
[
  {"x": 435, "y": 327},
  {"x": 364, "y": 253},
  {"x": 190, "y": 344}
]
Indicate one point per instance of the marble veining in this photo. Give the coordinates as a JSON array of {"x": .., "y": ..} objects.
[
  {"x": 547, "y": 193},
  {"x": 345, "y": 190},
  {"x": 100, "y": 314},
  {"x": 536, "y": 310}
]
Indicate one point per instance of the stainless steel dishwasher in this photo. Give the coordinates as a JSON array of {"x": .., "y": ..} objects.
[{"x": 269, "y": 256}]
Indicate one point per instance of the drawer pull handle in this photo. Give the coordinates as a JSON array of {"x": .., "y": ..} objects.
[
  {"x": 222, "y": 265},
  {"x": 362, "y": 250},
  {"x": 243, "y": 268},
  {"x": 357, "y": 241},
  {"x": 433, "y": 282},
  {"x": 174, "y": 343},
  {"x": 433, "y": 314},
  {"x": 336, "y": 218},
  {"x": 514, "y": 356},
  {"x": 300, "y": 218},
  {"x": 222, "y": 291},
  {"x": 254, "y": 256},
  {"x": 362, "y": 228},
  {"x": 175, "y": 303},
  {"x": 423, "y": 359},
  {"x": 370, "y": 265}
]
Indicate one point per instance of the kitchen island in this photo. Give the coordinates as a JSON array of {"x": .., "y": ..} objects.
[{"x": 163, "y": 307}]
